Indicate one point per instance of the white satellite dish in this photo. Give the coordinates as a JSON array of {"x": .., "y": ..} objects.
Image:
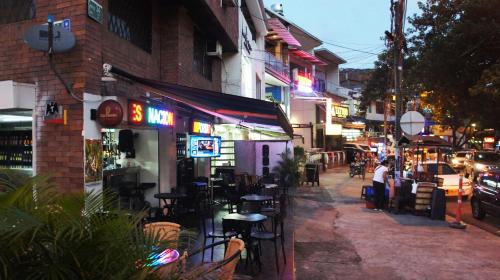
[{"x": 412, "y": 122}]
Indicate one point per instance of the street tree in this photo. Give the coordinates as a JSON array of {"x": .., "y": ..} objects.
[{"x": 456, "y": 46}]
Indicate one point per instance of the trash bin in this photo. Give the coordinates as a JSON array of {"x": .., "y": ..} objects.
[
  {"x": 312, "y": 173},
  {"x": 438, "y": 204}
]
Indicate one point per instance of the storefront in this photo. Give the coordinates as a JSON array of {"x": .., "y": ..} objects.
[{"x": 17, "y": 128}]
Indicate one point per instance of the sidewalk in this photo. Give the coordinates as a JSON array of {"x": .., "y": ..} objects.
[{"x": 337, "y": 238}]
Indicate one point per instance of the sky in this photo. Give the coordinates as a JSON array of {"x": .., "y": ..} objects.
[{"x": 355, "y": 24}]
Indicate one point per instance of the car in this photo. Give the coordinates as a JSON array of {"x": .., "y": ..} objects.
[
  {"x": 458, "y": 159},
  {"x": 481, "y": 161},
  {"x": 486, "y": 195},
  {"x": 450, "y": 178}
]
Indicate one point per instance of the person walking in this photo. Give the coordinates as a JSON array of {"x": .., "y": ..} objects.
[{"x": 379, "y": 180}]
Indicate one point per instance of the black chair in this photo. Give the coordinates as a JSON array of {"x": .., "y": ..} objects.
[
  {"x": 210, "y": 231},
  {"x": 273, "y": 236},
  {"x": 249, "y": 207},
  {"x": 244, "y": 230}
]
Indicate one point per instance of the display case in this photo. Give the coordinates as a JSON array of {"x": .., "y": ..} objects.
[{"x": 16, "y": 150}]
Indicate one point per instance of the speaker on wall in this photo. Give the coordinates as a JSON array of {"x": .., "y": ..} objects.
[
  {"x": 265, "y": 161},
  {"x": 265, "y": 150},
  {"x": 265, "y": 171},
  {"x": 126, "y": 142}
]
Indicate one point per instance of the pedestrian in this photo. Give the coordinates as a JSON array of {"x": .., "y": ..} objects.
[{"x": 379, "y": 180}]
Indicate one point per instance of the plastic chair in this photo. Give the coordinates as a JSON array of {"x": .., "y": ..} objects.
[{"x": 164, "y": 231}]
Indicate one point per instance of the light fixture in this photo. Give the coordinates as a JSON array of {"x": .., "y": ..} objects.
[{"x": 14, "y": 118}]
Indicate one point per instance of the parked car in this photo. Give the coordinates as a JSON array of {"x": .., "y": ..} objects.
[
  {"x": 481, "y": 161},
  {"x": 486, "y": 195},
  {"x": 450, "y": 178},
  {"x": 458, "y": 159}
]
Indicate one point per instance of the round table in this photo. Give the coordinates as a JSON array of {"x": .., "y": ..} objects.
[
  {"x": 256, "y": 197},
  {"x": 173, "y": 197},
  {"x": 247, "y": 218}
]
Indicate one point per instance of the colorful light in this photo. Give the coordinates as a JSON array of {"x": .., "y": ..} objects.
[
  {"x": 143, "y": 114},
  {"x": 162, "y": 258},
  {"x": 304, "y": 84},
  {"x": 202, "y": 127},
  {"x": 160, "y": 117},
  {"x": 136, "y": 112},
  {"x": 489, "y": 140}
]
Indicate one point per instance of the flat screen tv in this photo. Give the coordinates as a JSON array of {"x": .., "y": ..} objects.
[{"x": 204, "y": 146}]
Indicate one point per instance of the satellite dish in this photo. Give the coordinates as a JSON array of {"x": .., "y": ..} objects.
[
  {"x": 37, "y": 37},
  {"x": 412, "y": 122}
]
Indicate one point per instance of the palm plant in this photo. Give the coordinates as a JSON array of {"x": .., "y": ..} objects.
[
  {"x": 287, "y": 169},
  {"x": 45, "y": 234}
]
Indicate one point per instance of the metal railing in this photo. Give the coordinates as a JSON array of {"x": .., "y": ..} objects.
[{"x": 277, "y": 66}]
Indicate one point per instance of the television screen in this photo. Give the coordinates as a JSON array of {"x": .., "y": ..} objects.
[{"x": 204, "y": 146}]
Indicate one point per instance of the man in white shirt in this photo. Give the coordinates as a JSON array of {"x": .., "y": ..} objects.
[{"x": 379, "y": 180}]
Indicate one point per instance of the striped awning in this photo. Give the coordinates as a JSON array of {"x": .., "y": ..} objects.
[
  {"x": 307, "y": 57},
  {"x": 281, "y": 32}
]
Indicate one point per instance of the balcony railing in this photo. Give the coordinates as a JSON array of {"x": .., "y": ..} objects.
[{"x": 277, "y": 66}]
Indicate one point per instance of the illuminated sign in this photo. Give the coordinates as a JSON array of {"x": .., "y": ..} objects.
[
  {"x": 201, "y": 127},
  {"x": 340, "y": 111},
  {"x": 140, "y": 113},
  {"x": 304, "y": 84},
  {"x": 489, "y": 140}
]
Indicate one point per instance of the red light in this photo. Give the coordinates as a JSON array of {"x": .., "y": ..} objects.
[{"x": 136, "y": 112}]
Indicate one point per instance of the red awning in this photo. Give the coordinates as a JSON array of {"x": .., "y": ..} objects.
[
  {"x": 282, "y": 32},
  {"x": 308, "y": 57}
]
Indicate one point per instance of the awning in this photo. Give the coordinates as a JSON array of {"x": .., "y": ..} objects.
[
  {"x": 282, "y": 32},
  {"x": 308, "y": 57},
  {"x": 247, "y": 112}
]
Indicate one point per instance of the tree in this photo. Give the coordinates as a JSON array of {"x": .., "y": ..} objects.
[{"x": 456, "y": 46}]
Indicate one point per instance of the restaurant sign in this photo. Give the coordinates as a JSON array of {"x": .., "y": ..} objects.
[
  {"x": 109, "y": 113},
  {"x": 304, "y": 83},
  {"x": 201, "y": 127},
  {"x": 140, "y": 113},
  {"x": 340, "y": 111}
]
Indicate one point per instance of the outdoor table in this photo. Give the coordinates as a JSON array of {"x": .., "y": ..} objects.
[
  {"x": 256, "y": 197},
  {"x": 270, "y": 186},
  {"x": 247, "y": 221},
  {"x": 173, "y": 197}
]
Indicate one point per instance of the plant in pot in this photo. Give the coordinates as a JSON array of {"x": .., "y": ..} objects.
[{"x": 287, "y": 169}]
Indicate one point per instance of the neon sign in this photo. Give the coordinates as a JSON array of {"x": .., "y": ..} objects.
[
  {"x": 340, "y": 111},
  {"x": 140, "y": 113},
  {"x": 304, "y": 84},
  {"x": 489, "y": 139},
  {"x": 200, "y": 127}
]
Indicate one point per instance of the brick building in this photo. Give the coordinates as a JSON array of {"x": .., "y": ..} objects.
[{"x": 159, "y": 40}]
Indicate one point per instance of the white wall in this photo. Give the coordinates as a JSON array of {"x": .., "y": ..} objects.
[
  {"x": 275, "y": 150},
  {"x": 146, "y": 157},
  {"x": 239, "y": 70},
  {"x": 245, "y": 156}
]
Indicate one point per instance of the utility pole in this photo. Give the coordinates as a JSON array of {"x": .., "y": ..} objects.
[{"x": 399, "y": 8}]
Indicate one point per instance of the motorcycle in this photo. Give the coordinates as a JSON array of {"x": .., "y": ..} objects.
[{"x": 357, "y": 168}]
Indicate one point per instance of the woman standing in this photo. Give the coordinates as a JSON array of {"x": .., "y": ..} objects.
[{"x": 379, "y": 180}]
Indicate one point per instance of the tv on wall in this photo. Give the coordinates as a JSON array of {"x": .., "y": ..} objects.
[{"x": 204, "y": 146}]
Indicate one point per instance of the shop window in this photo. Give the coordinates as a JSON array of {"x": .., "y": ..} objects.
[
  {"x": 379, "y": 107},
  {"x": 131, "y": 20},
  {"x": 16, "y": 10},
  {"x": 202, "y": 63}
]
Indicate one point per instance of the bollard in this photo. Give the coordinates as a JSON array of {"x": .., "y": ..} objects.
[{"x": 458, "y": 217}]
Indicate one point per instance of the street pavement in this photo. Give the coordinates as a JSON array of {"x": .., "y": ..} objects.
[{"x": 336, "y": 237}]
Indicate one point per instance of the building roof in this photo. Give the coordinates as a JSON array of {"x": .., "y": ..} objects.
[
  {"x": 282, "y": 32},
  {"x": 307, "y": 40},
  {"x": 328, "y": 55},
  {"x": 308, "y": 57}
]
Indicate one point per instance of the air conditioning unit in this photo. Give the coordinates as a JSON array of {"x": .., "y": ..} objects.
[
  {"x": 214, "y": 48},
  {"x": 228, "y": 3}
]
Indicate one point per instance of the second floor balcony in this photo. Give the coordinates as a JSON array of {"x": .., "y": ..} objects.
[{"x": 277, "y": 67}]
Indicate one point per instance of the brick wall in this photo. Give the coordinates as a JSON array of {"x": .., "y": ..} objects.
[{"x": 60, "y": 148}]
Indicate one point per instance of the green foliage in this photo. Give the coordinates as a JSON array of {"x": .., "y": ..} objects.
[
  {"x": 456, "y": 46},
  {"x": 299, "y": 153},
  {"x": 45, "y": 234},
  {"x": 288, "y": 169}
]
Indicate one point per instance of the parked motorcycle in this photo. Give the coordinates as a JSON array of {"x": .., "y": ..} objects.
[{"x": 357, "y": 168}]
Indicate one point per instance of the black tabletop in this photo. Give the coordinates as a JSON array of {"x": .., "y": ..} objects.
[
  {"x": 251, "y": 218},
  {"x": 173, "y": 195},
  {"x": 256, "y": 197}
]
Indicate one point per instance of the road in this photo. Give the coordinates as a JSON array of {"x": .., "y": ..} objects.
[{"x": 490, "y": 224}]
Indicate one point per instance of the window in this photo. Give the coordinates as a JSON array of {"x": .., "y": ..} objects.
[
  {"x": 131, "y": 20},
  {"x": 202, "y": 63},
  {"x": 16, "y": 10},
  {"x": 379, "y": 107}
]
